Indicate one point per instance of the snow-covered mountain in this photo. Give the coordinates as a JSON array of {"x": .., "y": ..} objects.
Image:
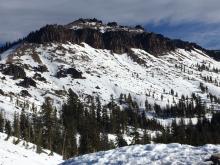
[
  {"x": 31, "y": 71},
  {"x": 97, "y": 59},
  {"x": 158, "y": 154}
]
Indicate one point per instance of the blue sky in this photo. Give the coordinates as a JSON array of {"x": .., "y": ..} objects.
[
  {"x": 191, "y": 20},
  {"x": 206, "y": 35}
]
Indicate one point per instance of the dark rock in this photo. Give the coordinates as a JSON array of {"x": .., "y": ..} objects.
[
  {"x": 112, "y": 24},
  {"x": 139, "y": 27},
  {"x": 25, "y": 93},
  {"x": 81, "y": 20},
  {"x": 97, "y": 87},
  {"x": 74, "y": 73},
  {"x": 16, "y": 71},
  {"x": 61, "y": 92},
  {"x": 41, "y": 68},
  {"x": 3, "y": 78},
  {"x": 2, "y": 92},
  {"x": 61, "y": 73},
  {"x": 70, "y": 71},
  {"x": 27, "y": 82},
  {"x": 38, "y": 77},
  {"x": 26, "y": 66},
  {"x": 215, "y": 158}
]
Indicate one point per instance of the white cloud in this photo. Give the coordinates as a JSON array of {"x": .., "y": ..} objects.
[{"x": 18, "y": 17}]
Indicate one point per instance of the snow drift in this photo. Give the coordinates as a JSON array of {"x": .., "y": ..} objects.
[{"x": 158, "y": 154}]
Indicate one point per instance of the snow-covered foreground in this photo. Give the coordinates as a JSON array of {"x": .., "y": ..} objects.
[
  {"x": 11, "y": 154},
  {"x": 157, "y": 154}
]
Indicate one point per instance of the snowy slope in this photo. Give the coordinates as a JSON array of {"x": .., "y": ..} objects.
[
  {"x": 11, "y": 154},
  {"x": 107, "y": 73},
  {"x": 152, "y": 154}
]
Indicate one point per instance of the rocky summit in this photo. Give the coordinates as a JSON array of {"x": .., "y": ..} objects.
[{"x": 110, "y": 36}]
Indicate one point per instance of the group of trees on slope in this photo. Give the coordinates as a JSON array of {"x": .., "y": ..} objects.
[
  {"x": 80, "y": 128},
  {"x": 186, "y": 107},
  {"x": 206, "y": 131}
]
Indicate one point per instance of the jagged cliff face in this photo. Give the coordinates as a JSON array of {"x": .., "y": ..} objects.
[{"x": 119, "y": 39}]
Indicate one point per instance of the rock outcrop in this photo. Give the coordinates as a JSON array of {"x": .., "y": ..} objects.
[
  {"x": 27, "y": 82},
  {"x": 25, "y": 93},
  {"x": 13, "y": 70},
  {"x": 41, "y": 68},
  {"x": 119, "y": 41},
  {"x": 70, "y": 71}
]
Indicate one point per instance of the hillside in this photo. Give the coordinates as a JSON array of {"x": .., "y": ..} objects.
[{"x": 56, "y": 67}]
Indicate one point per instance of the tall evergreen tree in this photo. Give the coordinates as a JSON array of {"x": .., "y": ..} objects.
[
  {"x": 1, "y": 122},
  {"x": 48, "y": 123},
  {"x": 8, "y": 129},
  {"x": 16, "y": 126}
]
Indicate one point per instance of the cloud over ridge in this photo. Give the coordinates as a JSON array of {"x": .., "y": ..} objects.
[{"x": 19, "y": 17}]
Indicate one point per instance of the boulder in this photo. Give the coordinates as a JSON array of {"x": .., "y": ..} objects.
[
  {"x": 70, "y": 71},
  {"x": 74, "y": 73},
  {"x": 25, "y": 93},
  {"x": 13, "y": 70},
  {"x": 27, "y": 82},
  {"x": 38, "y": 77},
  {"x": 41, "y": 68},
  {"x": 2, "y": 92}
]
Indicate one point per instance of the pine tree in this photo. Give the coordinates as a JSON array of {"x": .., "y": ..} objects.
[
  {"x": 136, "y": 138},
  {"x": 98, "y": 109},
  {"x": 85, "y": 145},
  {"x": 146, "y": 138},
  {"x": 8, "y": 129},
  {"x": 121, "y": 98},
  {"x": 48, "y": 123},
  {"x": 39, "y": 142},
  {"x": 129, "y": 99},
  {"x": 105, "y": 120},
  {"x": 16, "y": 126},
  {"x": 70, "y": 146},
  {"x": 120, "y": 140},
  {"x": 71, "y": 115},
  {"x": 1, "y": 122},
  {"x": 104, "y": 142},
  {"x": 23, "y": 125}
]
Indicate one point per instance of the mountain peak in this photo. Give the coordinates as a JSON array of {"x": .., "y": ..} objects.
[
  {"x": 83, "y": 21},
  {"x": 102, "y": 27},
  {"x": 110, "y": 36}
]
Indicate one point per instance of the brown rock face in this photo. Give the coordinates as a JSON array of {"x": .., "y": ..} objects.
[{"x": 119, "y": 41}]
